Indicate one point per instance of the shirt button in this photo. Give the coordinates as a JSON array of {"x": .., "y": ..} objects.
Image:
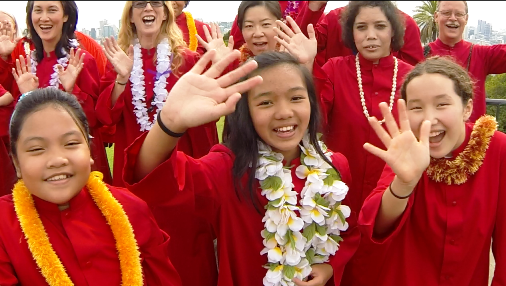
[
  {"x": 66, "y": 214},
  {"x": 454, "y": 203},
  {"x": 376, "y": 93}
]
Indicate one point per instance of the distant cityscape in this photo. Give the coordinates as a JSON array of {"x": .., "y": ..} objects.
[{"x": 483, "y": 34}]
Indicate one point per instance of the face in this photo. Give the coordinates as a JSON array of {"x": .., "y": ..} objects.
[
  {"x": 258, "y": 31},
  {"x": 53, "y": 158},
  {"x": 280, "y": 109},
  {"x": 148, "y": 20},
  {"x": 7, "y": 20},
  {"x": 432, "y": 97},
  {"x": 372, "y": 33},
  {"x": 48, "y": 19},
  {"x": 178, "y": 7},
  {"x": 451, "y": 19}
]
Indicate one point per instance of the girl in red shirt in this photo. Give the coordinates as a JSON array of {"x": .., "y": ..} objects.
[{"x": 441, "y": 201}]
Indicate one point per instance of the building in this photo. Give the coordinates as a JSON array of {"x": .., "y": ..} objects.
[{"x": 93, "y": 34}]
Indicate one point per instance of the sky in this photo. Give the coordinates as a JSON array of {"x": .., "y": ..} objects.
[{"x": 91, "y": 12}]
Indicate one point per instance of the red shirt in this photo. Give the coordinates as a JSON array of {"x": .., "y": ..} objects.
[
  {"x": 5, "y": 114},
  {"x": 209, "y": 184},
  {"x": 84, "y": 242},
  {"x": 196, "y": 142},
  {"x": 181, "y": 23},
  {"x": 329, "y": 36},
  {"x": 444, "y": 235},
  {"x": 485, "y": 60},
  {"x": 7, "y": 173}
]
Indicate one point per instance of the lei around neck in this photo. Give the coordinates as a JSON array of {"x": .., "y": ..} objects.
[{"x": 298, "y": 236}]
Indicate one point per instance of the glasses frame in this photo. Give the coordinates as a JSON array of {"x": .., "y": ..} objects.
[
  {"x": 458, "y": 15},
  {"x": 146, "y": 4}
]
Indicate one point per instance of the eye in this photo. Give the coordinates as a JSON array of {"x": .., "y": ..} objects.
[
  {"x": 265, "y": 103},
  {"x": 442, "y": 104},
  {"x": 361, "y": 27},
  {"x": 35, "y": 150},
  {"x": 266, "y": 24},
  {"x": 298, "y": 98},
  {"x": 415, "y": 108},
  {"x": 248, "y": 26},
  {"x": 381, "y": 26},
  {"x": 72, "y": 143}
]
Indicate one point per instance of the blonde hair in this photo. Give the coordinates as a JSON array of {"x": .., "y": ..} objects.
[
  {"x": 169, "y": 29},
  {"x": 13, "y": 21}
]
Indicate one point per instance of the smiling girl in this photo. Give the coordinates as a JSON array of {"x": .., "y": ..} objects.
[
  {"x": 441, "y": 201},
  {"x": 272, "y": 159},
  {"x": 62, "y": 225}
]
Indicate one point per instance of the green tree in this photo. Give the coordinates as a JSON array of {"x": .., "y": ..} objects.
[
  {"x": 226, "y": 36},
  {"x": 495, "y": 86},
  {"x": 424, "y": 18}
]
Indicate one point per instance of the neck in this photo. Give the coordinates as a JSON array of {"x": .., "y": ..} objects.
[
  {"x": 450, "y": 41},
  {"x": 147, "y": 41},
  {"x": 63, "y": 207},
  {"x": 290, "y": 155},
  {"x": 49, "y": 46}
]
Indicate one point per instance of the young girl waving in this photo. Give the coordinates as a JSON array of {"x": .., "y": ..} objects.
[
  {"x": 441, "y": 200},
  {"x": 273, "y": 191},
  {"x": 62, "y": 225}
]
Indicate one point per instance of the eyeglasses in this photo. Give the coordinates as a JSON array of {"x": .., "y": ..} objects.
[
  {"x": 143, "y": 4},
  {"x": 448, "y": 14}
]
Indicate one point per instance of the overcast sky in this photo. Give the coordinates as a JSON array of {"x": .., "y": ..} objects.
[{"x": 91, "y": 12}]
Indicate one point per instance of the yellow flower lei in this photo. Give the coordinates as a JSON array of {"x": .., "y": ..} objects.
[
  {"x": 192, "y": 30},
  {"x": 42, "y": 251}
]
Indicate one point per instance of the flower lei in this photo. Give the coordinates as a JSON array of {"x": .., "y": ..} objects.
[
  {"x": 467, "y": 163},
  {"x": 292, "y": 9},
  {"x": 294, "y": 243},
  {"x": 192, "y": 31},
  {"x": 63, "y": 61},
  {"x": 246, "y": 53},
  {"x": 163, "y": 70},
  {"x": 42, "y": 251}
]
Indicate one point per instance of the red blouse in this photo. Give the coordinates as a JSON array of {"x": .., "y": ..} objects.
[
  {"x": 7, "y": 173},
  {"x": 484, "y": 60},
  {"x": 196, "y": 142},
  {"x": 444, "y": 235},
  {"x": 84, "y": 242},
  {"x": 208, "y": 183},
  {"x": 181, "y": 23}
]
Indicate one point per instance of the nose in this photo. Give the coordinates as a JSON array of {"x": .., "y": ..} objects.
[
  {"x": 258, "y": 32},
  {"x": 57, "y": 161},
  {"x": 283, "y": 110},
  {"x": 44, "y": 16},
  {"x": 431, "y": 116},
  {"x": 148, "y": 7},
  {"x": 453, "y": 16},
  {"x": 371, "y": 34}
]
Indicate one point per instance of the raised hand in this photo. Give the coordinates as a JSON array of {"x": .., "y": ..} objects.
[
  {"x": 304, "y": 49},
  {"x": 122, "y": 62},
  {"x": 7, "y": 40},
  {"x": 199, "y": 98},
  {"x": 215, "y": 42},
  {"x": 406, "y": 155},
  {"x": 69, "y": 75},
  {"x": 23, "y": 76}
]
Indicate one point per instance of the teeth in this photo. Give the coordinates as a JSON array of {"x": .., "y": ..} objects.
[
  {"x": 45, "y": 26},
  {"x": 149, "y": 18},
  {"x": 285, "y": 129},
  {"x": 57, "y": 178},
  {"x": 434, "y": 134}
]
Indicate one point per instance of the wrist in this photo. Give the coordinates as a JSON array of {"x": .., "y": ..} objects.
[
  {"x": 402, "y": 189},
  {"x": 169, "y": 123},
  {"x": 122, "y": 79}
]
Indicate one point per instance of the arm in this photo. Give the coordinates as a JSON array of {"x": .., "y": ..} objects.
[
  {"x": 499, "y": 234},
  {"x": 7, "y": 273},
  {"x": 108, "y": 113},
  {"x": 495, "y": 58},
  {"x": 312, "y": 12},
  {"x": 6, "y": 98}
]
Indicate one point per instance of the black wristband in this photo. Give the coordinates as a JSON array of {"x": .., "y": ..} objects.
[
  {"x": 399, "y": 197},
  {"x": 165, "y": 129},
  {"x": 120, "y": 83}
]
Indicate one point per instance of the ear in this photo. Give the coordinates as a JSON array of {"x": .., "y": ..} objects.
[
  {"x": 16, "y": 166},
  {"x": 468, "y": 110},
  {"x": 91, "y": 162},
  {"x": 65, "y": 18}
]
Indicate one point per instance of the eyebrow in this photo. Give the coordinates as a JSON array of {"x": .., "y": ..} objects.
[
  {"x": 38, "y": 138},
  {"x": 377, "y": 22},
  {"x": 260, "y": 20},
  {"x": 437, "y": 97},
  {"x": 270, "y": 92}
]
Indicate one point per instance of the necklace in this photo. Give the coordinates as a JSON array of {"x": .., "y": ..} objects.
[
  {"x": 294, "y": 243},
  {"x": 42, "y": 251},
  {"x": 192, "y": 31},
  {"x": 63, "y": 61},
  {"x": 163, "y": 70},
  {"x": 392, "y": 94}
]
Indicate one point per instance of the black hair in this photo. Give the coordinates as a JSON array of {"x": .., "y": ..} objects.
[
  {"x": 272, "y": 6},
  {"x": 186, "y": 3},
  {"x": 70, "y": 10},
  {"x": 241, "y": 137},
  {"x": 387, "y": 7},
  {"x": 37, "y": 100}
]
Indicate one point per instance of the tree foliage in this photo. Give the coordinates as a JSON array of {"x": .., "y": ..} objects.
[
  {"x": 424, "y": 18},
  {"x": 495, "y": 86},
  {"x": 226, "y": 36}
]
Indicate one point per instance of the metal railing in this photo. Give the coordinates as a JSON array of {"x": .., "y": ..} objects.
[{"x": 497, "y": 103}]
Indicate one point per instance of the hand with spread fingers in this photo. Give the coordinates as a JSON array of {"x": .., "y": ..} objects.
[
  {"x": 7, "y": 40},
  {"x": 23, "y": 76},
  {"x": 320, "y": 273},
  {"x": 215, "y": 42},
  {"x": 68, "y": 75},
  {"x": 406, "y": 155},
  {"x": 304, "y": 49},
  {"x": 122, "y": 62},
  {"x": 200, "y": 97}
]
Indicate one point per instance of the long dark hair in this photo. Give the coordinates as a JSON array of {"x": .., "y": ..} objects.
[
  {"x": 239, "y": 133},
  {"x": 70, "y": 10},
  {"x": 272, "y": 6}
]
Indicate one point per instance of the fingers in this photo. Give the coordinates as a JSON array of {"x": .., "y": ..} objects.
[
  {"x": 218, "y": 31},
  {"x": 425, "y": 132},
  {"x": 208, "y": 35},
  {"x": 217, "y": 69},
  {"x": 310, "y": 32},
  {"x": 403, "y": 116},
  {"x": 227, "y": 107},
  {"x": 202, "y": 63},
  {"x": 392, "y": 127},
  {"x": 244, "y": 86},
  {"x": 294, "y": 25},
  {"x": 281, "y": 34},
  {"x": 202, "y": 42},
  {"x": 115, "y": 45},
  {"x": 231, "y": 42},
  {"x": 313, "y": 282},
  {"x": 375, "y": 151},
  {"x": 380, "y": 131},
  {"x": 131, "y": 52},
  {"x": 60, "y": 69},
  {"x": 214, "y": 32},
  {"x": 285, "y": 28},
  {"x": 15, "y": 74}
]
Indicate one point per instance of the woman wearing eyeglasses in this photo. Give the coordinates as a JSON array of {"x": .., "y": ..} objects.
[
  {"x": 480, "y": 61},
  {"x": 145, "y": 63}
]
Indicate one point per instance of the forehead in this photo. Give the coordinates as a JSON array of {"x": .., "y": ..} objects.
[
  {"x": 370, "y": 14},
  {"x": 48, "y": 122},
  {"x": 279, "y": 79},
  {"x": 47, "y": 4},
  {"x": 427, "y": 87},
  {"x": 4, "y": 17},
  {"x": 452, "y": 5},
  {"x": 258, "y": 13}
]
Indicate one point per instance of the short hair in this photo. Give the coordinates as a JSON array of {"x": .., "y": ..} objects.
[
  {"x": 391, "y": 12},
  {"x": 439, "y": 3},
  {"x": 446, "y": 66},
  {"x": 272, "y": 6}
]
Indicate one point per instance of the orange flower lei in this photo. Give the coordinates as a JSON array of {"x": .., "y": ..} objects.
[
  {"x": 246, "y": 53},
  {"x": 42, "y": 251},
  {"x": 192, "y": 30},
  {"x": 468, "y": 162}
]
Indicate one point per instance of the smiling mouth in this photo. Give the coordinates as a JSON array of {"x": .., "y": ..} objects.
[
  {"x": 260, "y": 44},
  {"x": 148, "y": 20},
  {"x": 452, "y": 26},
  {"x": 45, "y": 27},
  {"x": 58, "y": 178},
  {"x": 285, "y": 129},
  {"x": 436, "y": 136}
]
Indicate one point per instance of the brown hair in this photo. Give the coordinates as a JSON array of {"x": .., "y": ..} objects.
[
  {"x": 462, "y": 82},
  {"x": 439, "y": 3},
  {"x": 391, "y": 12},
  {"x": 272, "y": 6},
  {"x": 169, "y": 29}
]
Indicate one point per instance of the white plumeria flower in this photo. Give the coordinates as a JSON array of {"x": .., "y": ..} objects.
[
  {"x": 292, "y": 256},
  {"x": 280, "y": 239},
  {"x": 274, "y": 277},
  {"x": 327, "y": 247},
  {"x": 337, "y": 192},
  {"x": 300, "y": 241},
  {"x": 275, "y": 255},
  {"x": 303, "y": 269},
  {"x": 269, "y": 224}
]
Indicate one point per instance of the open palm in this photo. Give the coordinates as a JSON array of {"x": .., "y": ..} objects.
[
  {"x": 7, "y": 40},
  {"x": 122, "y": 62},
  {"x": 214, "y": 41},
  {"x": 406, "y": 155},
  {"x": 23, "y": 76},
  {"x": 69, "y": 75},
  {"x": 304, "y": 49},
  {"x": 199, "y": 98}
]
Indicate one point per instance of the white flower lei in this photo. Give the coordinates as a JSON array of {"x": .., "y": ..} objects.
[
  {"x": 55, "y": 80},
  {"x": 163, "y": 65},
  {"x": 294, "y": 243}
]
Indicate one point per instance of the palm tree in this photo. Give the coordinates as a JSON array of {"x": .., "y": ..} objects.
[{"x": 424, "y": 17}]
